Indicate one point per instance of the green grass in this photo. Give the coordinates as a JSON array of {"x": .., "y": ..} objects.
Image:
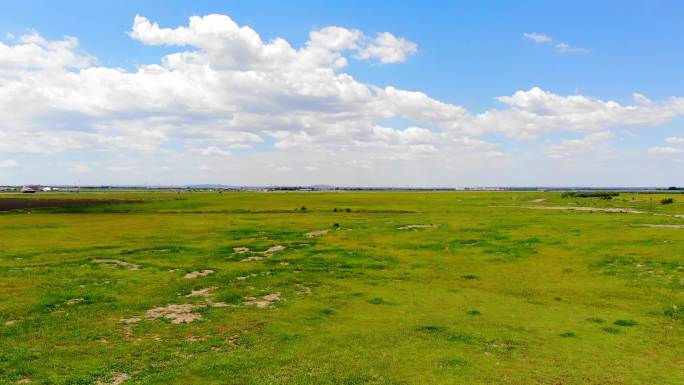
[{"x": 496, "y": 294}]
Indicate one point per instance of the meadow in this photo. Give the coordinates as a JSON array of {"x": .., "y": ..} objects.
[{"x": 344, "y": 288}]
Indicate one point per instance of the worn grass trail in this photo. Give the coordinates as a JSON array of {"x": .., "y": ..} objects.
[{"x": 494, "y": 293}]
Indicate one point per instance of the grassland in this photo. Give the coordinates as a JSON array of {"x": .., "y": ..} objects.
[{"x": 506, "y": 288}]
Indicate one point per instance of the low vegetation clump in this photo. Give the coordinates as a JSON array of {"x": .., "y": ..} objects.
[
  {"x": 666, "y": 201},
  {"x": 348, "y": 288},
  {"x": 591, "y": 194}
]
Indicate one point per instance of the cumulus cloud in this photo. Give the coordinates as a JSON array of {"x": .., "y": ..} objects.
[
  {"x": 388, "y": 48},
  {"x": 224, "y": 88}
]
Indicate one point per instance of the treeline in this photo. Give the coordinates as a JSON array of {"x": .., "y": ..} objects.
[{"x": 590, "y": 194}]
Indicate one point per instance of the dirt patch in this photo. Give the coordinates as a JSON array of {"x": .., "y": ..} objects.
[
  {"x": 10, "y": 322},
  {"x": 262, "y": 302},
  {"x": 420, "y": 226},
  {"x": 197, "y": 274},
  {"x": 131, "y": 320},
  {"x": 75, "y": 301},
  {"x": 117, "y": 379},
  {"x": 24, "y": 380},
  {"x": 318, "y": 233},
  {"x": 274, "y": 249},
  {"x": 264, "y": 254},
  {"x": 206, "y": 292},
  {"x": 538, "y": 200},
  {"x": 240, "y": 250},
  {"x": 583, "y": 208},
  {"x": 9, "y": 204},
  {"x": 116, "y": 262},
  {"x": 176, "y": 313},
  {"x": 660, "y": 226}
]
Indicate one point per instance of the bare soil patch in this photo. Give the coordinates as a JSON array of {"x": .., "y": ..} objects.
[
  {"x": 240, "y": 250},
  {"x": 116, "y": 262},
  {"x": 206, "y": 292},
  {"x": 117, "y": 379},
  {"x": 419, "y": 226},
  {"x": 262, "y": 302},
  {"x": 584, "y": 208},
  {"x": 176, "y": 313},
  {"x": 9, "y": 204},
  {"x": 664, "y": 226},
  {"x": 265, "y": 254},
  {"x": 197, "y": 274},
  {"x": 318, "y": 233}
]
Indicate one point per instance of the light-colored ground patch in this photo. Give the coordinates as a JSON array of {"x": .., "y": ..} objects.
[
  {"x": 262, "y": 302},
  {"x": 10, "y": 322},
  {"x": 131, "y": 320},
  {"x": 206, "y": 292},
  {"x": 176, "y": 313},
  {"x": 117, "y": 379},
  {"x": 197, "y": 274},
  {"x": 665, "y": 226},
  {"x": 75, "y": 301},
  {"x": 419, "y": 226},
  {"x": 585, "y": 208},
  {"x": 24, "y": 380},
  {"x": 538, "y": 200},
  {"x": 318, "y": 233},
  {"x": 240, "y": 250},
  {"x": 265, "y": 254},
  {"x": 116, "y": 262},
  {"x": 274, "y": 249}
]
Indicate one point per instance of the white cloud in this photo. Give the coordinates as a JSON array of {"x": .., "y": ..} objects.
[
  {"x": 33, "y": 51},
  {"x": 570, "y": 148},
  {"x": 664, "y": 150},
  {"x": 538, "y": 37},
  {"x": 567, "y": 48},
  {"x": 675, "y": 140},
  {"x": 560, "y": 47},
  {"x": 224, "y": 88},
  {"x": 388, "y": 48},
  {"x": 80, "y": 168},
  {"x": 8, "y": 163}
]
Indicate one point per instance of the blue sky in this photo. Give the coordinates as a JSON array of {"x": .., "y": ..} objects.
[{"x": 467, "y": 55}]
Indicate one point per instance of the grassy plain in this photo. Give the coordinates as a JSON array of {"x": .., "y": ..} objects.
[{"x": 502, "y": 291}]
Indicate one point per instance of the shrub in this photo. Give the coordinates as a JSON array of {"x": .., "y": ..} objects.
[
  {"x": 567, "y": 334},
  {"x": 625, "y": 322},
  {"x": 611, "y": 330},
  {"x": 592, "y": 194},
  {"x": 666, "y": 201},
  {"x": 473, "y": 312}
]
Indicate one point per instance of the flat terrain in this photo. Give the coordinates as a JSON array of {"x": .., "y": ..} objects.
[{"x": 344, "y": 288}]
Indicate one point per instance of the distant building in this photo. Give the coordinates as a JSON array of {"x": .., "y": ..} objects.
[{"x": 31, "y": 189}]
